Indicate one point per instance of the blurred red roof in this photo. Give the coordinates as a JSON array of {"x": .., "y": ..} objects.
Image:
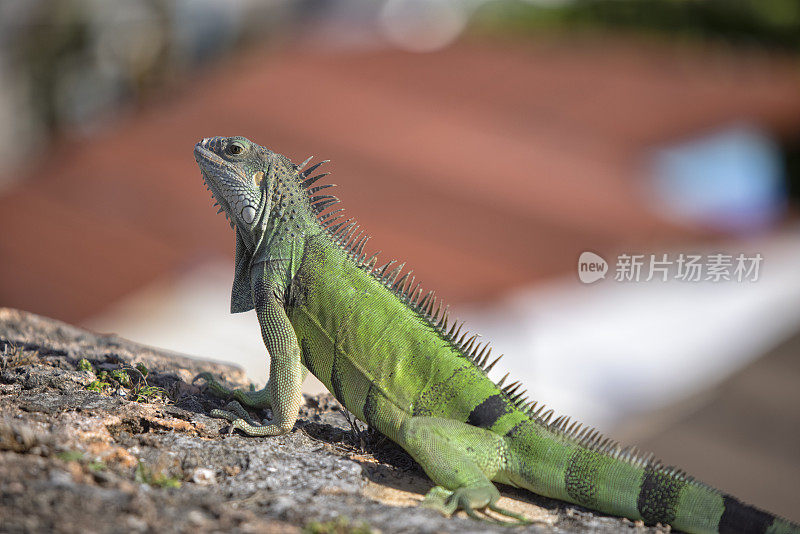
[{"x": 486, "y": 165}]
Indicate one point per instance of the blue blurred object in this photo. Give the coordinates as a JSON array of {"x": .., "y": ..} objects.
[{"x": 731, "y": 180}]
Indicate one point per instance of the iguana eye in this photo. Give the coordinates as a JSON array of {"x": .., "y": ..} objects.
[{"x": 235, "y": 148}]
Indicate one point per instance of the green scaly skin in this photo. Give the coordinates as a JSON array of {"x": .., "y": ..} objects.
[{"x": 391, "y": 356}]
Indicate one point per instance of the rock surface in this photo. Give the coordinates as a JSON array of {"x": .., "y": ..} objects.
[{"x": 92, "y": 442}]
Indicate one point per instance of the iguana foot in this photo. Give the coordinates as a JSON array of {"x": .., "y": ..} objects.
[
  {"x": 251, "y": 398},
  {"x": 233, "y": 411},
  {"x": 468, "y": 499},
  {"x": 240, "y": 419}
]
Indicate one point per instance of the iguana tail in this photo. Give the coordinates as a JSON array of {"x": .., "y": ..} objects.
[{"x": 585, "y": 469}]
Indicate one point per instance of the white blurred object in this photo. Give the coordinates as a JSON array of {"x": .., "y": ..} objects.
[
  {"x": 425, "y": 25},
  {"x": 730, "y": 180}
]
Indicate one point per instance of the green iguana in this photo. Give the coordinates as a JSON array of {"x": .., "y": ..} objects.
[{"x": 391, "y": 355}]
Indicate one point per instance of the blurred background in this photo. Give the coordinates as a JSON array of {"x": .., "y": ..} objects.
[{"x": 488, "y": 144}]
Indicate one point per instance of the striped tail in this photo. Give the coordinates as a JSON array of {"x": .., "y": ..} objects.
[{"x": 598, "y": 474}]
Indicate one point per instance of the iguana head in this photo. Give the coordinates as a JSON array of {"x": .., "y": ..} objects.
[{"x": 234, "y": 169}]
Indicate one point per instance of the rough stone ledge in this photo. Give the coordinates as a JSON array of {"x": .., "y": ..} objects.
[{"x": 83, "y": 451}]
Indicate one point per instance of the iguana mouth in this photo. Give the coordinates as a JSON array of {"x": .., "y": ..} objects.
[{"x": 208, "y": 161}]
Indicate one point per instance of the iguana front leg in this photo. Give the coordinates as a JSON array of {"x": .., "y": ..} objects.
[{"x": 286, "y": 373}]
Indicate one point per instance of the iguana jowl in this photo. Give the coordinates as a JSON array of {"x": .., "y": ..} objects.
[{"x": 391, "y": 355}]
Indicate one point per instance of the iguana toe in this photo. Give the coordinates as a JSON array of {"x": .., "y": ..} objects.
[{"x": 468, "y": 499}]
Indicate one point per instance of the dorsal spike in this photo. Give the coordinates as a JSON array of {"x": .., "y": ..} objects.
[
  {"x": 473, "y": 342},
  {"x": 560, "y": 421},
  {"x": 371, "y": 261},
  {"x": 313, "y": 190},
  {"x": 399, "y": 284},
  {"x": 429, "y": 308},
  {"x": 500, "y": 383},
  {"x": 340, "y": 233},
  {"x": 452, "y": 330},
  {"x": 329, "y": 223},
  {"x": 539, "y": 411},
  {"x": 435, "y": 316},
  {"x": 317, "y": 198},
  {"x": 310, "y": 181},
  {"x": 390, "y": 278},
  {"x": 322, "y": 218},
  {"x": 425, "y": 299},
  {"x": 470, "y": 343},
  {"x": 512, "y": 387},
  {"x": 458, "y": 331},
  {"x": 416, "y": 293},
  {"x": 382, "y": 270},
  {"x": 335, "y": 228},
  {"x": 569, "y": 430},
  {"x": 351, "y": 230},
  {"x": 298, "y": 167},
  {"x": 474, "y": 352},
  {"x": 460, "y": 342},
  {"x": 445, "y": 318},
  {"x": 353, "y": 238},
  {"x": 361, "y": 244},
  {"x": 407, "y": 291},
  {"x": 321, "y": 206},
  {"x": 489, "y": 367},
  {"x": 485, "y": 358},
  {"x": 545, "y": 417},
  {"x": 313, "y": 167},
  {"x": 520, "y": 397}
]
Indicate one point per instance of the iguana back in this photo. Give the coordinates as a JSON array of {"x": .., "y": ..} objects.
[{"x": 391, "y": 355}]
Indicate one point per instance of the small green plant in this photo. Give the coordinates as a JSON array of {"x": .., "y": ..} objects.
[
  {"x": 147, "y": 393},
  {"x": 131, "y": 378},
  {"x": 85, "y": 365},
  {"x": 99, "y": 386},
  {"x": 122, "y": 377},
  {"x": 145, "y": 475},
  {"x": 338, "y": 525}
]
